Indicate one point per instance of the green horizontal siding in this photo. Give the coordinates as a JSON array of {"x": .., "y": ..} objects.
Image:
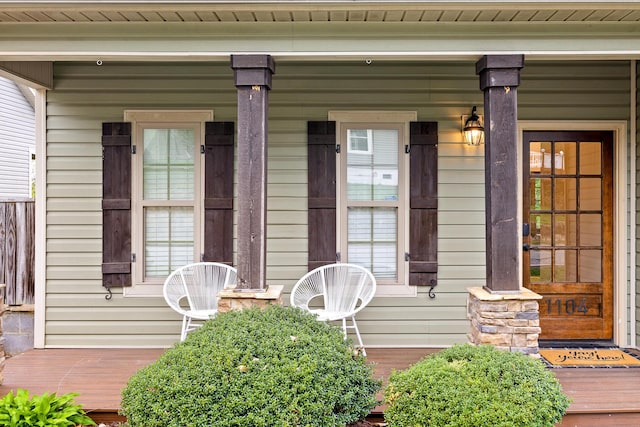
[{"x": 86, "y": 95}]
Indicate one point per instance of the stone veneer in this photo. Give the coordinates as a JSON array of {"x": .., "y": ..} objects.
[
  {"x": 230, "y": 299},
  {"x": 508, "y": 321}
]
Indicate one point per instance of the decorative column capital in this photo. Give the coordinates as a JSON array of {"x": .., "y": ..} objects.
[
  {"x": 499, "y": 70},
  {"x": 253, "y": 70}
]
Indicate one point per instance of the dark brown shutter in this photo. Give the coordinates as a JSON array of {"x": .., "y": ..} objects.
[
  {"x": 321, "y": 157},
  {"x": 218, "y": 192},
  {"x": 116, "y": 204},
  {"x": 423, "y": 264}
]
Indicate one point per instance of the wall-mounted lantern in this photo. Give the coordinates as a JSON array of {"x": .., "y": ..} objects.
[{"x": 472, "y": 129}]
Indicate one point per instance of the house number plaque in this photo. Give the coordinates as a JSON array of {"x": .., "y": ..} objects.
[{"x": 572, "y": 305}]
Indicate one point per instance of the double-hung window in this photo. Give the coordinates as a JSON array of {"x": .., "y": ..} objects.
[
  {"x": 167, "y": 194},
  {"x": 372, "y": 195}
]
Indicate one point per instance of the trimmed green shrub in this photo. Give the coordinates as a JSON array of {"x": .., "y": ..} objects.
[
  {"x": 474, "y": 386},
  {"x": 272, "y": 367},
  {"x": 45, "y": 410}
]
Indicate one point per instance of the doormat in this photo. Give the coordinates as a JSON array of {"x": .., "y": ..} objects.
[{"x": 589, "y": 358}]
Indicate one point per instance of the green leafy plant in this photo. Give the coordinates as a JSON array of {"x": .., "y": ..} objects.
[
  {"x": 254, "y": 368},
  {"x": 45, "y": 410},
  {"x": 474, "y": 386}
]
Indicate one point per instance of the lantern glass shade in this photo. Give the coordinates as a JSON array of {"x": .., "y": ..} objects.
[{"x": 473, "y": 130}]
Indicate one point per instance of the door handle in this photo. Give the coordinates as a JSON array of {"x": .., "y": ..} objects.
[{"x": 526, "y": 230}]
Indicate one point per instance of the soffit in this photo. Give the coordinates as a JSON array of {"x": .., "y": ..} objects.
[{"x": 319, "y": 11}]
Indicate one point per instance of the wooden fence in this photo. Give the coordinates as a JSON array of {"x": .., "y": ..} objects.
[{"x": 17, "y": 251}]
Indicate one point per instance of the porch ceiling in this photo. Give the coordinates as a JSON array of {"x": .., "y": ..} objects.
[
  {"x": 319, "y": 11},
  {"x": 135, "y": 30}
]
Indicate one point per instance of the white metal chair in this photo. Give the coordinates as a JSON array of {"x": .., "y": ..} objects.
[
  {"x": 192, "y": 291},
  {"x": 336, "y": 292}
]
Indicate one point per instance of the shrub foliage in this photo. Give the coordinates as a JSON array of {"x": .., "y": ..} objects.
[
  {"x": 467, "y": 386},
  {"x": 45, "y": 410},
  {"x": 253, "y": 368}
]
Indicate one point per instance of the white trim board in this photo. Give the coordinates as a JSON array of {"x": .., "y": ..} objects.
[{"x": 41, "y": 220}]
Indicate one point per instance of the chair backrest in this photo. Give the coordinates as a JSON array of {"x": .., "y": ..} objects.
[
  {"x": 345, "y": 288},
  {"x": 199, "y": 283}
]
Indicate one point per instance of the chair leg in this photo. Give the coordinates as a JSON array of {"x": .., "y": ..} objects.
[
  {"x": 355, "y": 326},
  {"x": 185, "y": 325},
  {"x": 344, "y": 327}
]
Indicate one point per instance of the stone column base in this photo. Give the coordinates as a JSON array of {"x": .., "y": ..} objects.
[
  {"x": 229, "y": 299},
  {"x": 506, "y": 321}
]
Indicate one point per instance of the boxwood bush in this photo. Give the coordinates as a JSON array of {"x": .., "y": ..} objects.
[
  {"x": 273, "y": 367},
  {"x": 474, "y": 386}
]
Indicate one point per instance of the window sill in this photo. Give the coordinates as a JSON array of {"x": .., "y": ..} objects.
[
  {"x": 396, "y": 291},
  {"x": 143, "y": 291}
]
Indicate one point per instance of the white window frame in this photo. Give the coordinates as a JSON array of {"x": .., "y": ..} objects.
[
  {"x": 377, "y": 120},
  {"x": 157, "y": 119}
]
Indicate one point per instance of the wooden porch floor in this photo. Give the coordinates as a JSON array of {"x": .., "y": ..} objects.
[{"x": 601, "y": 397}]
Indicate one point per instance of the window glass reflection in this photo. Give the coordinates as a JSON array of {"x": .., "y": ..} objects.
[
  {"x": 590, "y": 194},
  {"x": 590, "y": 158},
  {"x": 540, "y": 194},
  {"x": 565, "y": 230},
  {"x": 540, "y": 266},
  {"x": 565, "y": 266},
  {"x": 590, "y": 266},
  {"x": 565, "y": 154}
]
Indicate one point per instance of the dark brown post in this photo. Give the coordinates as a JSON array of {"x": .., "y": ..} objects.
[
  {"x": 499, "y": 79},
  {"x": 253, "y": 80}
]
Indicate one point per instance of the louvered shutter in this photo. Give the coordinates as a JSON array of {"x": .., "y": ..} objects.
[{"x": 116, "y": 204}]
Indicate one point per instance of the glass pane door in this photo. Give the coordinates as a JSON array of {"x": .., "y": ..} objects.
[{"x": 568, "y": 205}]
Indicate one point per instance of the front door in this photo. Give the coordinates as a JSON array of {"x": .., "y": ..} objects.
[{"x": 568, "y": 206}]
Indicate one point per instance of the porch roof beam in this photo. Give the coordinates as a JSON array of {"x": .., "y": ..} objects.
[{"x": 298, "y": 40}]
